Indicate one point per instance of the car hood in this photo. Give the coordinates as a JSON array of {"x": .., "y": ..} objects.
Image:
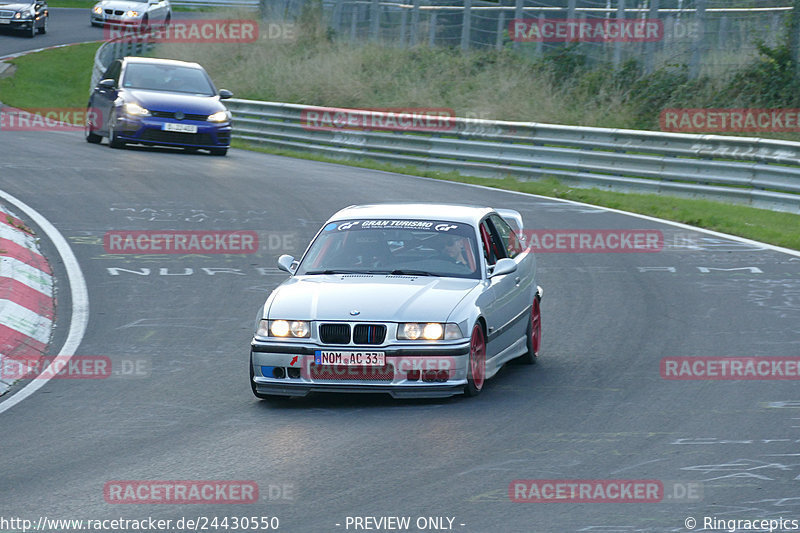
[
  {"x": 18, "y": 6},
  {"x": 376, "y": 298},
  {"x": 163, "y": 101},
  {"x": 123, "y": 5}
]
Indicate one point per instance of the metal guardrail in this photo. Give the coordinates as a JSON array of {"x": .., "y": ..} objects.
[{"x": 757, "y": 172}]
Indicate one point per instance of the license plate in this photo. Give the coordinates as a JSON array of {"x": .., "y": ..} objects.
[
  {"x": 182, "y": 128},
  {"x": 328, "y": 357},
  {"x": 5, "y": 21}
]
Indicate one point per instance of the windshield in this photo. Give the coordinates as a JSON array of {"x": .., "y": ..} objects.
[
  {"x": 400, "y": 247},
  {"x": 167, "y": 78}
]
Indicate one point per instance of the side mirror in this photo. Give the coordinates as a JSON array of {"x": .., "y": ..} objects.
[
  {"x": 504, "y": 266},
  {"x": 107, "y": 83},
  {"x": 286, "y": 263},
  {"x": 225, "y": 93}
]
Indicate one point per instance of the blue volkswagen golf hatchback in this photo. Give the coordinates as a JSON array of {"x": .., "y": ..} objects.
[{"x": 164, "y": 102}]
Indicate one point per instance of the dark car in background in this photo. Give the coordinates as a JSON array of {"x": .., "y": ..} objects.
[
  {"x": 159, "y": 102},
  {"x": 23, "y": 16}
]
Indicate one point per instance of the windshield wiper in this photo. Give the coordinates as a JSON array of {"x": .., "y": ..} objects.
[
  {"x": 336, "y": 271},
  {"x": 404, "y": 272}
]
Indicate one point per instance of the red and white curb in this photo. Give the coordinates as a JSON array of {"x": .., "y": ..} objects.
[{"x": 26, "y": 294}]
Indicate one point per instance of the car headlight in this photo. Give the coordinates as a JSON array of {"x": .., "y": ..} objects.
[
  {"x": 17, "y": 15},
  {"x": 429, "y": 331},
  {"x": 97, "y": 10},
  {"x": 132, "y": 108},
  {"x": 220, "y": 116},
  {"x": 297, "y": 329},
  {"x": 131, "y": 13}
]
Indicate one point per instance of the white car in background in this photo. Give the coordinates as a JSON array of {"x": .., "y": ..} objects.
[
  {"x": 414, "y": 300},
  {"x": 135, "y": 13}
]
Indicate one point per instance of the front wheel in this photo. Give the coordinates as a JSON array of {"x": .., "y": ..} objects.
[
  {"x": 43, "y": 29},
  {"x": 91, "y": 136},
  {"x": 218, "y": 151},
  {"x": 113, "y": 140},
  {"x": 476, "y": 369}
]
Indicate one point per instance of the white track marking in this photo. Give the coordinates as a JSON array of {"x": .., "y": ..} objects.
[{"x": 80, "y": 297}]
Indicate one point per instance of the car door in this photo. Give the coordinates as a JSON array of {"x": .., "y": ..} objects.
[
  {"x": 521, "y": 292},
  {"x": 158, "y": 11},
  {"x": 40, "y": 6},
  {"x": 102, "y": 99},
  {"x": 500, "y": 301}
]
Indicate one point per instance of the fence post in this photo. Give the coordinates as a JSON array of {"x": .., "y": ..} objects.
[
  {"x": 621, "y": 21},
  {"x": 336, "y": 21},
  {"x": 571, "y": 9},
  {"x": 697, "y": 45},
  {"x": 501, "y": 18},
  {"x": 375, "y": 20},
  {"x": 432, "y": 29},
  {"x": 353, "y": 21},
  {"x": 414, "y": 24},
  {"x": 518, "y": 15},
  {"x": 539, "y": 43},
  {"x": 650, "y": 46},
  {"x": 465, "y": 25},
  {"x": 403, "y": 27},
  {"x": 794, "y": 36},
  {"x": 724, "y": 27}
]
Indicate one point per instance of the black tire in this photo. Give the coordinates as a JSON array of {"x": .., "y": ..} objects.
[
  {"x": 43, "y": 29},
  {"x": 218, "y": 151},
  {"x": 476, "y": 366},
  {"x": 534, "y": 334},
  {"x": 91, "y": 136},
  {"x": 30, "y": 34},
  {"x": 113, "y": 141},
  {"x": 168, "y": 19},
  {"x": 144, "y": 26}
]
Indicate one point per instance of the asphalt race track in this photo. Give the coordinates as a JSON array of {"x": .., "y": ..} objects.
[
  {"x": 595, "y": 407},
  {"x": 66, "y": 25}
]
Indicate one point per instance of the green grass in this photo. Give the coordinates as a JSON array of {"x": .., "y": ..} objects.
[
  {"x": 57, "y": 78},
  {"x": 87, "y": 4},
  {"x": 50, "y": 79}
]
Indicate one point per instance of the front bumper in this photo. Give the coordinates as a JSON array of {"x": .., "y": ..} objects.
[
  {"x": 418, "y": 371},
  {"x": 149, "y": 130},
  {"x": 18, "y": 24},
  {"x": 115, "y": 20}
]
